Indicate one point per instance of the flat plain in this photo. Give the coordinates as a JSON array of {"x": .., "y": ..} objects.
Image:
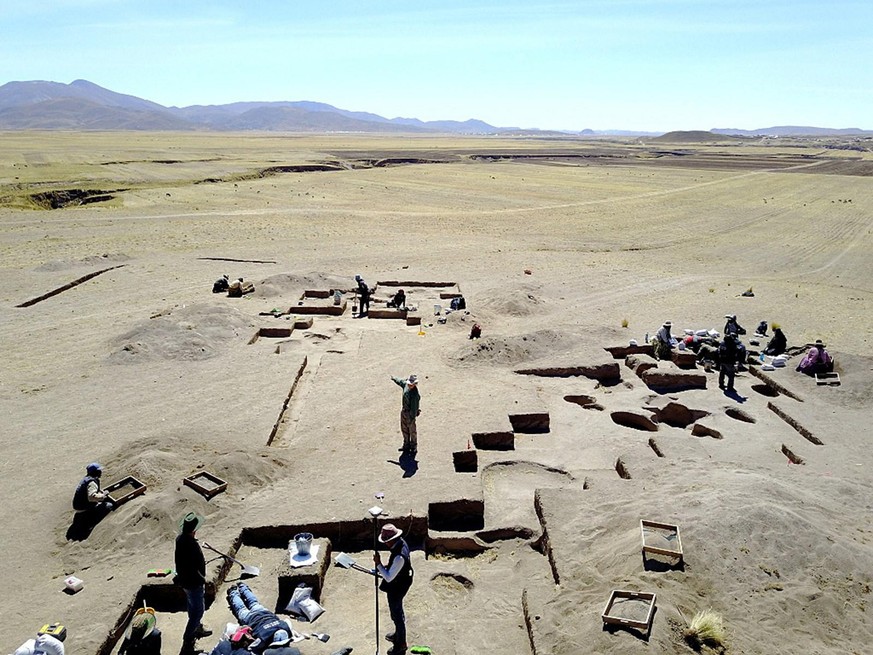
[{"x": 555, "y": 244}]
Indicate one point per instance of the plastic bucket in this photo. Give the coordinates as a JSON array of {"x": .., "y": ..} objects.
[{"x": 303, "y": 541}]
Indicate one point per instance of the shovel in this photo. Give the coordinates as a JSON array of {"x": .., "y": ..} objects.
[
  {"x": 247, "y": 570},
  {"x": 347, "y": 562}
]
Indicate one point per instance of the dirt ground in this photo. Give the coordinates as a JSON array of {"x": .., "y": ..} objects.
[{"x": 555, "y": 245}]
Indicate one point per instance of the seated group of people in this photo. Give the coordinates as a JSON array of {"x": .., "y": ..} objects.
[{"x": 731, "y": 350}]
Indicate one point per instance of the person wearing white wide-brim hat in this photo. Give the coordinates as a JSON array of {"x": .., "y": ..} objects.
[{"x": 396, "y": 581}]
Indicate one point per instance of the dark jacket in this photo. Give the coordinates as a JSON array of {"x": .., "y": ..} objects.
[
  {"x": 80, "y": 496},
  {"x": 777, "y": 344},
  {"x": 150, "y": 645},
  {"x": 190, "y": 563},
  {"x": 727, "y": 352},
  {"x": 283, "y": 650},
  {"x": 403, "y": 580},
  {"x": 224, "y": 647},
  {"x": 364, "y": 291},
  {"x": 264, "y": 624}
]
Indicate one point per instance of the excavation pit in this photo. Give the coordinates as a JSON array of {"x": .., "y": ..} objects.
[
  {"x": 583, "y": 401},
  {"x": 536, "y": 423},
  {"x": 679, "y": 416},
  {"x": 655, "y": 447},
  {"x": 794, "y": 423},
  {"x": 765, "y": 390},
  {"x": 740, "y": 415},
  {"x": 463, "y": 515},
  {"x": 466, "y": 461},
  {"x": 452, "y": 588},
  {"x": 271, "y": 333},
  {"x": 290, "y": 573},
  {"x": 621, "y": 469},
  {"x": 794, "y": 459},
  {"x": 635, "y": 421},
  {"x": 494, "y": 440},
  {"x": 700, "y": 430}
]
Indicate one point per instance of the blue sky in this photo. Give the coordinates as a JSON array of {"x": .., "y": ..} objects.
[{"x": 652, "y": 65}]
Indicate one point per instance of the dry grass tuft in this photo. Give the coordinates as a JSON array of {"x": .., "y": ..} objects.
[
  {"x": 707, "y": 628},
  {"x": 624, "y": 322}
]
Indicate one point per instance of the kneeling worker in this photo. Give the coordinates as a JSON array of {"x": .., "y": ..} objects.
[{"x": 89, "y": 499}]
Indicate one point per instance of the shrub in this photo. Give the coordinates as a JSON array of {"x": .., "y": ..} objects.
[{"x": 707, "y": 627}]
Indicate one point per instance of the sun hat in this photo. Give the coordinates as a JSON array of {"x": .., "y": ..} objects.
[
  {"x": 668, "y": 324},
  {"x": 413, "y": 379},
  {"x": 280, "y": 638},
  {"x": 389, "y": 532},
  {"x": 190, "y": 522},
  {"x": 731, "y": 316},
  {"x": 94, "y": 468},
  {"x": 143, "y": 624}
]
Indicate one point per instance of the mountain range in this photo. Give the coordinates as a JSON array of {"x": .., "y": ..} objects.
[{"x": 83, "y": 105}]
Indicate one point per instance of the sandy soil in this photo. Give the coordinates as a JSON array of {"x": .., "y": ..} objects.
[{"x": 142, "y": 368}]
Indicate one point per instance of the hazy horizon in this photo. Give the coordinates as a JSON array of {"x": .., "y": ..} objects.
[{"x": 642, "y": 65}]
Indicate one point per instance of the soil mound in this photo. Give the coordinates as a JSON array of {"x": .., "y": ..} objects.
[
  {"x": 511, "y": 350},
  {"x": 288, "y": 284},
  {"x": 521, "y": 300},
  {"x": 189, "y": 333},
  {"x": 92, "y": 260}
]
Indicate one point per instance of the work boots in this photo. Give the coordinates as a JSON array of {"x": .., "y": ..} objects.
[{"x": 202, "y": 631}]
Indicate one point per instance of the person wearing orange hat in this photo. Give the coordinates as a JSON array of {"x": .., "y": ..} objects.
[{"x": 396, "y": 581}]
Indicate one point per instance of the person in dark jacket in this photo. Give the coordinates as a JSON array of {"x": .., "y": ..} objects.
[
  {"x": 143, "y": 636},
  {"x": 399, "y": 300},
  {"x": 191, "y": 576},
  {"x": 268, "y": 629},
  {"x": 727, "y": 356},
  {"x": 364, "y": 293},
  {"x": 89, "y": 499},
  {"x": 777, "y": 344},
  {"x": 396, "y": 581},
  {"x": 732, "y": 327}
]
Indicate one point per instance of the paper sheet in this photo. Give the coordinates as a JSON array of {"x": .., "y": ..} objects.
[{"x": 297, "y": 561}]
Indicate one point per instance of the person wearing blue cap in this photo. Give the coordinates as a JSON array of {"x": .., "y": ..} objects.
[{"x": 89, "y": 499}]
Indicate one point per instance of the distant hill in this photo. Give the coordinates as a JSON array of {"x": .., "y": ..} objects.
[
  {"x": 691, "y": 136},
  {"x": 83, "y": 105},
  {"x": 793, "y": 130}
]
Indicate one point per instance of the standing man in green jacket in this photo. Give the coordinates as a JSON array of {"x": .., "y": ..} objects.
[{"x": 408, "y": 413}]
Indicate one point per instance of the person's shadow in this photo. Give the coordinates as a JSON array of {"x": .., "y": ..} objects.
[
  {"x": 84, "y": 523},
  {"x": 734, "y": 395},
  {"x": 407, "y": 462}
]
